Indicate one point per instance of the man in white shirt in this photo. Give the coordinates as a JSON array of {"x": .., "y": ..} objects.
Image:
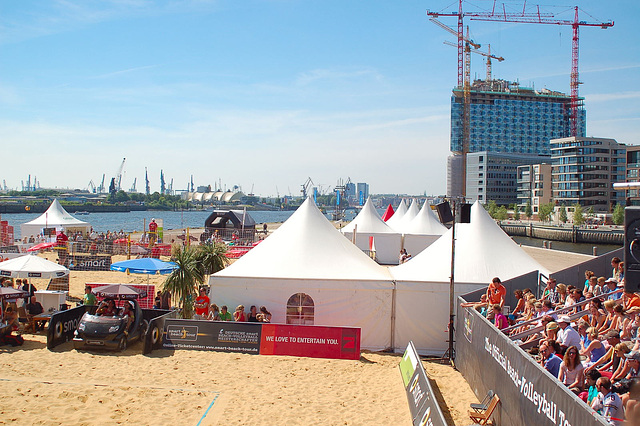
[
  {"x": 567, "y": 336},
  {"x": 608, "y": 403}
]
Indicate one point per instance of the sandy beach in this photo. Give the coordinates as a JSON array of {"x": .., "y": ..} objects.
[{"x": 186, "y": 387}]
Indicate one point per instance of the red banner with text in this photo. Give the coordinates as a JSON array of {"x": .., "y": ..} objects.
[{"x": 310, "y": 341}]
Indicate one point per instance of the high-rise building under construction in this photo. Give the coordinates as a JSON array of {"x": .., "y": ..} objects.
[{"x": 505, "y": 118}]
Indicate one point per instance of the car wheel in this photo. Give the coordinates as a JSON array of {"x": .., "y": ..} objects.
[
  {"x": 122, "y": 345},
  {"x": 155, "y": 335}
]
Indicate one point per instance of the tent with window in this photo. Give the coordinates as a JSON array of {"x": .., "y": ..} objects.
[
  {"x": 482, "y": 251},
  {"x": 307, "y": 272},
  {"x": 369, "y": 225},
  {"x": 422, "y": 231},
  {"x": 55, "y": 217}
]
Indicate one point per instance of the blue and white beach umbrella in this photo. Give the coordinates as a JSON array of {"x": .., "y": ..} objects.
[{"x": 147, "y": 265}]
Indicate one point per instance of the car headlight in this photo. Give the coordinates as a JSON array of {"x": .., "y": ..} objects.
[{"x": 114, "y": 328}]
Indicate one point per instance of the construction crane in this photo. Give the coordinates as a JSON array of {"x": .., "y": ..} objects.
[
  {"x": 487, "y": 54},
  {"x": 531, "y": 18},
  {"x": 92, "y": 186},
  {"x": 133, "y": 187}
]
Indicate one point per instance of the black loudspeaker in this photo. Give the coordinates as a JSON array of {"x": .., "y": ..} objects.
[
  {"x": 465, "y": 213},
  {"x": 632, "y": 248},
  {"x": 444, "y": 212}
]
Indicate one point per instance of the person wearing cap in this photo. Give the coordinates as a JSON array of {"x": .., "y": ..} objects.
[
  {"x": 567, "y": 336},
  {"x": 608, "y": 403},
  {"x": 611, "y": 285}
]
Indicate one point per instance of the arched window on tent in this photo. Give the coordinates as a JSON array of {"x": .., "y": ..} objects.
[{"x": 300, "y": 309}]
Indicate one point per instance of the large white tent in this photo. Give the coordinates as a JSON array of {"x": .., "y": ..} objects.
[
  {"x": 308, "y": 256},
  {"x": 422, "y": 231},
  {"x": 55, "y": 217},
  {"x": 482, "y": 251},
  {"x": 368, "y": 224}
]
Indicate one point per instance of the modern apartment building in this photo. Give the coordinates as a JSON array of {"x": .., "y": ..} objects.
[
  {"x": 493, "y": 175},
  {"x": 507, "y": 118},
  {"x": 633, "y": 171},
  {"x": 585, "y": 169},
  {"x": 534, "y": 185}
]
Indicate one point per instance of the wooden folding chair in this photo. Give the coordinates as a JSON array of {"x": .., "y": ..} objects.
[
  {"x": 483, "y": 417},
  {"x": 478, "y": 408},
  {"x": 26, "y": 320}
]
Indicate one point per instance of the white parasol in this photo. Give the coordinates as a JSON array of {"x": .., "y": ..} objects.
[{"x": 29, "y": 266}]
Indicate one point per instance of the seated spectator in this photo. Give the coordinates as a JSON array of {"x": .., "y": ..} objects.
[
  {"x": 596, "y": 316},
  {"x": 547, "y": 309},
  {"x": 157, "y": 302},
  {"x": 551, "y": 330},
  {"x": 611, "y": 287},
  {"x": 34, "y": 308},
  {"x": 587, "y": 280},
  {"x": 499, "y": 320},
  {"x": 589, "y": 395},
  {"x": 571, "y": 372},
  {"x": 107, "y": 308},
  {"x": 239, "y": 314},
  {"x": 548, "y": 358},
  {"x": 253, "y": 312},
  {"x": 10, "y": 317},
  {"x": 214, "y": 313},
  {"x": 519, "y": 309},
  {"x": 631, "y": 302},
  {"x": 592, "y": 348},
  {"x": 264, "y": 315},
  {"x": 478, "y": 306},
  {"x": 561, "y": 289},
  {"x": 550, "y": 293},
  {"x": 621, "y": 350},
  {"x": 225, "y": 315},
  {"x": 609, "y": 359},
  {"x": 608, "y": 322},
  {"x": 567, "y": 336},
  {"x": 608, "y": 403},
  {"x": 128, "y": 314}
]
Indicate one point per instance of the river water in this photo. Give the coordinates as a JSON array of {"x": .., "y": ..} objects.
[{"x": 135, "y": 221}]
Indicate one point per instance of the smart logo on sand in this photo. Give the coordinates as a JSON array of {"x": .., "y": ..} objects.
[{"x": 187, "y": 333}]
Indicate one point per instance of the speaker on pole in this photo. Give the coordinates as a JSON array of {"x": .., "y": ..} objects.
[
  {"x": 465, "y": 213},
  {"x": 632, "y": 248},
  {"x": 444, "y": 212}
]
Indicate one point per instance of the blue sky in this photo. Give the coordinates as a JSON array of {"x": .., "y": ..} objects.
[{"x": 265, "y": 93}]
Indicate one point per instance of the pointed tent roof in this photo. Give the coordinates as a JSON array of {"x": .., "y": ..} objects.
[
  {"x": 483, "y": 251},
  {"x": 388, "y": 213},
  {"x": 56, "y": 215},
  {"x": 307, "y": 246},
  {"x": 369, "y": 221},
  {"x": 425, "y": 223},
  {"x": 400, "y": 211},
  {"x": 406, "y": 219}
]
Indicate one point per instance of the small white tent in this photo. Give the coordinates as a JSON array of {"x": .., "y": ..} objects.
[
  {"x": 55, "y": 217},
  {"x": 368, "y": 224},
  {"x": 397, "y": 216},
  {"x": 405, "y": 220},
  {"x": 482, "y": 251},
  {"x": 422, "y": 231},
  {"x": 307, "y": 272}
]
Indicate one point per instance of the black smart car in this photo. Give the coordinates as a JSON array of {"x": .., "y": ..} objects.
[{"x": 108, "y": 332}]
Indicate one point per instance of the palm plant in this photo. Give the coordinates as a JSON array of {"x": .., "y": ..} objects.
[
  {"x": 183, "y": 282},
  {"x": 212, "y": 258}
]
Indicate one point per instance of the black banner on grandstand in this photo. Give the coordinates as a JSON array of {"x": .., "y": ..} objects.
[
  {"x": 528, "y": 393},
  {"x": 214, "y": 336},
  {"x": 62, "y": 325},
  {"x": 83, "y": 262},
  {"x": 424, "y": 407}
]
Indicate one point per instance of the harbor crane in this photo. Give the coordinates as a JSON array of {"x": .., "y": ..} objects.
[
  {"x": 100, "y": 188},
  {"x": 305, "y": 187},
  {"x": 133, "y": 187},
  {"x": 119, "y": 173},
  {"x": 92, "y": 186},
  {"x": 147, "y": 190}
]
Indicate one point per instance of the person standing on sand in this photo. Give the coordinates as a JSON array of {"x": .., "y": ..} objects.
[
  {"x": 89, "y": 298},
  {"x": 153, "y": 232}
]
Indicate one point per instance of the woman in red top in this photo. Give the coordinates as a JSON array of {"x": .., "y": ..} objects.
[{"x": 239, "y": 314}]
